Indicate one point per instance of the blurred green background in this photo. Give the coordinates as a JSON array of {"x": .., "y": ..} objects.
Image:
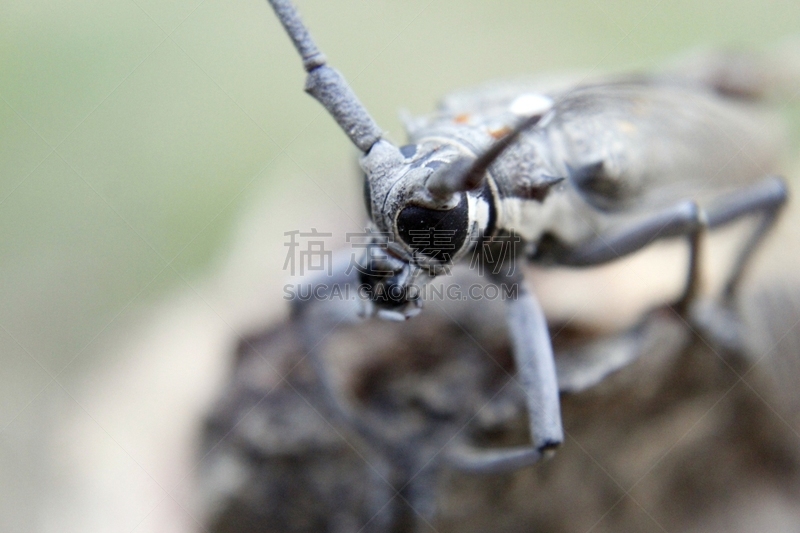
[{"x": 132, "y": 133}]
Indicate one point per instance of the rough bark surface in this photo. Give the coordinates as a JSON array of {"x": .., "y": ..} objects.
[{"x": 686, "y": 438}]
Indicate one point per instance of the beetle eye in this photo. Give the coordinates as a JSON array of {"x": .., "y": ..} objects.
[{"x": 439, "y": 234}]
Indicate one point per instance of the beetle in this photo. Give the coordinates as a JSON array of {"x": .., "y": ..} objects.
[{"x": 573, "y": 176}]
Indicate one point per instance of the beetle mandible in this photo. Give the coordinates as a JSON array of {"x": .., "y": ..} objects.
[{"x": 581, "y": 176}]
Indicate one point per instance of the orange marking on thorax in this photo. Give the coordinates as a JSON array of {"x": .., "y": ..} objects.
[{"x": 499, "y": 133}]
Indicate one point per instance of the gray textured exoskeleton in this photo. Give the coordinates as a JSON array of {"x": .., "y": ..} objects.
[{"x": 579, "y": 176}]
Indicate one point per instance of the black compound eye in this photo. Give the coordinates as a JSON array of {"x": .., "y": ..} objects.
[{"x": 439, "y": 234}]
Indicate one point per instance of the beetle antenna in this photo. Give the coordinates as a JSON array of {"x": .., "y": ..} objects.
[
  {"x": 325, "y": 84},
  {"x": 467, "y": 174}
]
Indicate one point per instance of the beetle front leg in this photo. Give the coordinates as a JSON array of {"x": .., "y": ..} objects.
[{"x": 533, "y": 355}]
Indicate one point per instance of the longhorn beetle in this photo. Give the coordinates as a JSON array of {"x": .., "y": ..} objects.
[{"x": 583, "y": 175}]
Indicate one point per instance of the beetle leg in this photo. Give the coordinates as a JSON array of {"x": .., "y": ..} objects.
[
  {"x": 719, "y": 321},
  {"x": 319, "y": 313},
  {"x": 682, "y": 219},
  {"x": 421, "y": 496},
  {"x": 679, "y": 220},
  {"x": 686, "y": 218},
  {"x": 475, "y": 461},
  {"x": 587, "y": 365},
  {"x": 533, "y": 355},
  {"x": 766, "y": 197},
  {"x": 692, "y": 285}
]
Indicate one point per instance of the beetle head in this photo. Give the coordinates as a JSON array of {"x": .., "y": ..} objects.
[
  {"x": 418, "y": 233},
  {"x": 425, "y": 201}
]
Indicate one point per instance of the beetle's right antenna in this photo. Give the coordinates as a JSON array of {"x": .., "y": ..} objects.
[
  {"x": 325, "y": 84},
  {"x": 467, "y": 174}
]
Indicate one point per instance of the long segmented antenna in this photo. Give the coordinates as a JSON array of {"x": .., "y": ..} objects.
[
  {"x": 467, "y": 174},
  {"x": 325, "y": 84}
]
